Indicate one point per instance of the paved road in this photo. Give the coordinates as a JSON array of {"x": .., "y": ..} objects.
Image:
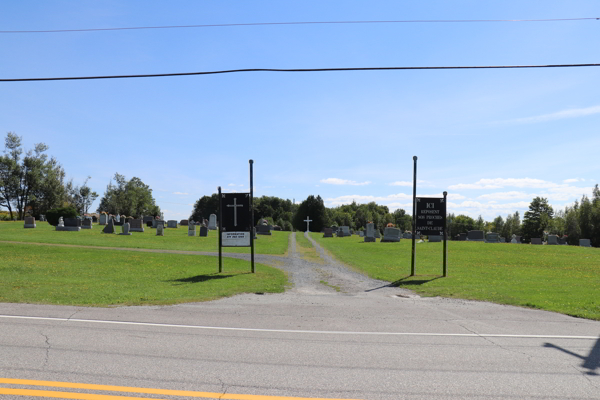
[{"x": 365, "y": 341}]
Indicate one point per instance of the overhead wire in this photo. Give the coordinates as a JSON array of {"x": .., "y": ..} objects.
[
  {"x": 300, "y": 23},
  {"x": 71, "y": 78}
]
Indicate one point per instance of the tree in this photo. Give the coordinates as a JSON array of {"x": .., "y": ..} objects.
[
  {"x": 537, "y": 219},
  {"x": 32, "y": 181},
  {"x": 480, "y": 223},
  {"x": 315, "y": 209},
  {"x": 586, "y": 210},
  {"x": 205, "y": 206},
  {"x": 461, "y": 224},
  {"x": 402, "y": 220},
  {"x": 498, "y": 224},
  {"x": 80, "y": 197},
  {"x": 131, "y": 198},
  {"x": 572, "y": 224},
  {"x": 596, "y": 217}
]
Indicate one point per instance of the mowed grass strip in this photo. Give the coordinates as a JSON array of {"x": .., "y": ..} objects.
[
  {"x": 306, "y": 250},
  {"x": 94, "y": 277},
  {"x": 174, "y": 239},
  {"x": 565, "y": 279}
]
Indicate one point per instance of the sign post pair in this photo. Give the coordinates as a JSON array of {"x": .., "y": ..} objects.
[
  {"x": 236, "y": 220},
  {"x": 429, "y": 218}
]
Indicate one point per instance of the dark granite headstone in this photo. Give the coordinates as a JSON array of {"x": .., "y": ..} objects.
[
  {"x": 110, "y": 227},
  {"x": 391, "y": 235},
  {"x": 585, "y": 243},
  {"x": 103, "y": 219},
  {"x": 184, "y": 222},
  {"x": 562, "y": 240},
  {"x": 86, "y": 224},
  {"x": 552, "y": 239},
  {"x": 327, "y": 232},
  {"x": 536, "y": 240},
  {"x": 434, "y": 238},
  {"x": 172, "y": 224},
  {"x": 263, "y": 230},
  {"x": 29, "y": 222},
  {"x": 136, "y": 225},
  {"x": 203, "y": 231},
  {"x": 492, "y": 238},
  {"x": 475, "y": 236}
]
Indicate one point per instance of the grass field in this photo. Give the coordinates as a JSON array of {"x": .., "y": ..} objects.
[
  {"x": 174, "y": 239},
  {"x": 564, "y": 279},
  {"x": 306, "y": 249},
  {"x": 96, "y": 277}
]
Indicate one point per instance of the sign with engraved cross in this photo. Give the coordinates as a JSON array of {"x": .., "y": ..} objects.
[
  {"x": 431, "y": 216},
  {"x": 236, "y": 223}
]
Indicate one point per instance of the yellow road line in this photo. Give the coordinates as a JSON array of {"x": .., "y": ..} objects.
[{"x": 126, "y": 389}]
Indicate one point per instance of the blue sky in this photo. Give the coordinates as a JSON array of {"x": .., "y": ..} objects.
[{"x": 493, "y": 139}]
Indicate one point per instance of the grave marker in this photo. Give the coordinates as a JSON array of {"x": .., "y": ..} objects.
[
  {"x": 136, "y": 225},
  {"x": 391, "y": 235},
  {"x": 370, "y": 236},
  {"x": 29, "y": 222},
  {"x": 308, "y": 221}
]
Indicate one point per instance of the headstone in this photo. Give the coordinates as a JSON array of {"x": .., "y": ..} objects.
[
  {"x": 501, "y": 240},
  {"x": 370, "y": 233},
  {"x": 345, "y": 230},
  {"x": 117, "y": 218},
  {"x": 391, "y": 235},
  {"x": 29, "y": 222},
  {"x": 149, "y": 224},
  {"x": 203, "y": 231},
  {"x": 562, "y": 240},
  {"x": 86, "y": 224},
  {"x": 61, "y": 221},
  {"x": 492, "y": 238},
  {"x": 171, "y": 223},
  {"x": 327, "y": 232},
  {"x": 475, "y": 236},
  {"x": 463, "y": 236},
  {"x": 94, "y": 218},
  {"x": 585, "y": 243},
  {"x": 103, "y": 219},
  {"x": 110, "y": 227},
  {"x": 361, "y": 233},
  {"x": 377, "y": 234},
  {"x": 147, "y": 219},
  {"x": 42, "y": 218},
  {"x": 125, "y": 229},
  {"x": 263, "y": 230},
  {"x": 434, "y": 238},
  {"x": 552, "y": 239},
  {"x": 536, "y": 240},
  {"x": 514, "y": 239},
  {"x": 191, "y": 229},
  {"x": 136, "y": 225},
  {"x": 407, "y": 235},
  {"x": 160, "y": 229},
  {"x": 212, "y": 222},
  {"x": 184, "y": 222},
  {"x": 69, "y": 224}
]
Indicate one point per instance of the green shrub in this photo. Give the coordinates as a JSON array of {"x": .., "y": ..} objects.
[{"x": 53, "y": 215}]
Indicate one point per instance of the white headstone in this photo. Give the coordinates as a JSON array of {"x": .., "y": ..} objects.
[
  {"x": 191, "y": 229},
  {"x": 117, "y": 218},
  {"x": 212, "y": 222},
  {"x": 160, "y": 228}
]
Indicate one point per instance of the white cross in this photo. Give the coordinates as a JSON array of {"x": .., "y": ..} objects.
[
  {"x": 308, "y": 221},
  {"x": 235, "y": 205}
]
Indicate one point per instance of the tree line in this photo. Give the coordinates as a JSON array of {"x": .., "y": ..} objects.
[{"x": 33, "y": 183}]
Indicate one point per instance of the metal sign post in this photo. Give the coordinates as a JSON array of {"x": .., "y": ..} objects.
[
  {"x": 414, "y": 213},
  {"x": 236, "y": 220},
  {"x": 431, "y": 220},
  {"x": 444, "y": 267}
]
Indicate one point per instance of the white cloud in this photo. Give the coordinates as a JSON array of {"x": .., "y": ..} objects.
[
  {"x": 401, "y": 183},
  {"x": 573, "y": 180},
  {"x": 231, "y": 184},
  {"x": 499, "y": 183},
  {"x": 337, "y": 181},
  {"x": 571, "y": 113},
  {"x": 181, "y": 193},
  {"x": 504, "y": 196}
]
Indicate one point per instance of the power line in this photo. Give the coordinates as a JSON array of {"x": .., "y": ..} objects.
[
  {"x": 72, "y": 78},
  {"x": 302, "y": 23}
]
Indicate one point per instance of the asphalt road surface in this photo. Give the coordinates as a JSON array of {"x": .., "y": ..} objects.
[{"x": 351, "y": 338}]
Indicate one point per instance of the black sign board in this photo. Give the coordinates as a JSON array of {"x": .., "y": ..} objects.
[
  {"x": 236, "y": 225},
  {"x": 431, "y": 216}
]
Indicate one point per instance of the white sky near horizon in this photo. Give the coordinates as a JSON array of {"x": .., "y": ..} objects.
[{"x": 494, "y": 139}]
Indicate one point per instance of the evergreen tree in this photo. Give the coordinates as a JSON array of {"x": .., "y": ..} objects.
[
  {"x": 205, "y": 206},
  {"x": 537, "y": 219},
  {"x": 314, "y": 208}
]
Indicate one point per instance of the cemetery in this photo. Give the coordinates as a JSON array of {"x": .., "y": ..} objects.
[{"x": 475, "y": 266}]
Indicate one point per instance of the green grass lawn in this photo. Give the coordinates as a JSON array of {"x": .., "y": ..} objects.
[
  {"x": 564, "y": 279},
  {"x": 96, "y": 277},
  {"x": 306, "y": 250},
  {"x": 174, "y": 239}
]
